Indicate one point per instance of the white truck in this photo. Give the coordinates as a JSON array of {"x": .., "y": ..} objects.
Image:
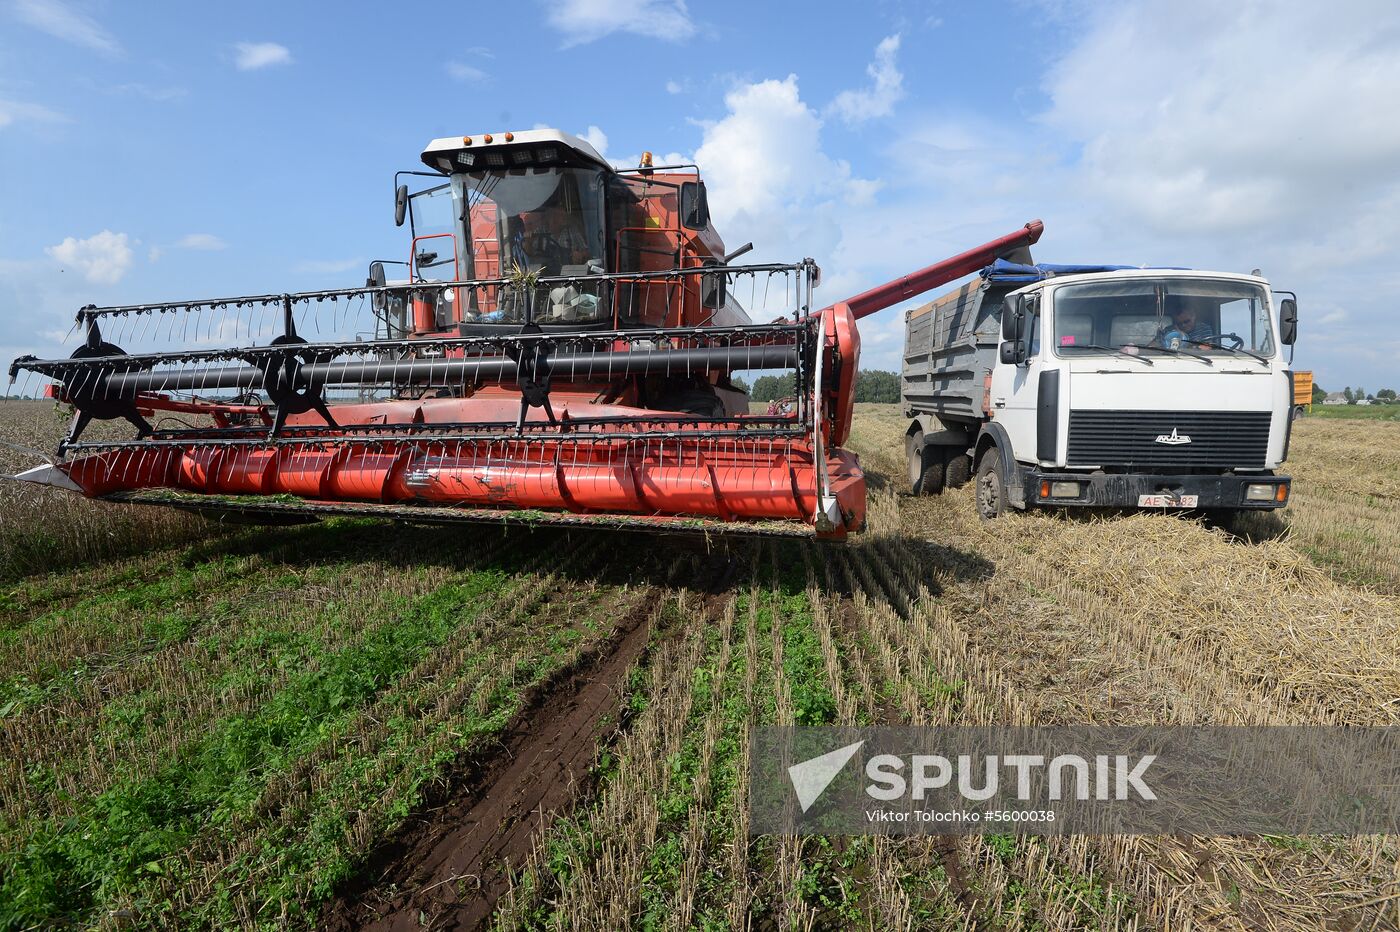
[{"x": 1073, "y": 386}]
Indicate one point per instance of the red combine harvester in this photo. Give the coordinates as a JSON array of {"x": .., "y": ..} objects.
[{"x": 561, "y": 349}]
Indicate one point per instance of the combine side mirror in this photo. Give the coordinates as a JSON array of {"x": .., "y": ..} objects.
[
  {"x": 377, "y": 280},
  {"x": 695, "y": 206},
  {"x": 400, "y": 204},
  {"x": 1012, "y": 317},
  {"x": 1287, "y": 321},
  {"x": 1013, "y": 352}
]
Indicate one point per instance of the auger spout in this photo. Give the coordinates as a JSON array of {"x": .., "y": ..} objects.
[{"x": 940, "y": 273}]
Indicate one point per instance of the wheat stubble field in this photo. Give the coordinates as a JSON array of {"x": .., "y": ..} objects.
[{"x": 354, "y": 724}]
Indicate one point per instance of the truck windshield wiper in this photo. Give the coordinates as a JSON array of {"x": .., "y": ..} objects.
[
  {"x": 1180, "y": 352},
  {"x": 1108, "y": 349}
]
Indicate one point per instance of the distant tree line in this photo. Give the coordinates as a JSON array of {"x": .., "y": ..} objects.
[
  {"x": 872, "y": 385},
  {"x": 1386, "y": 396}
]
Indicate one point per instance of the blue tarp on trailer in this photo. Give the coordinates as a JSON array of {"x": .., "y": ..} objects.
[{"x": 1013, "y": 272}]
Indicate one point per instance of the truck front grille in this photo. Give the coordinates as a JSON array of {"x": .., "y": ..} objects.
[{"x": 1163, "y": 438}]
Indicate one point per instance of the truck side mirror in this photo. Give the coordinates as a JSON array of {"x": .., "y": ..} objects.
[
  {"x": 1012, "y": 316},
  {"x": 400, "y": 204},
  {"x": 1013, "y": 352},
  {"x": 1287, "y": 321},
  {"x": 695, "y": 206}
]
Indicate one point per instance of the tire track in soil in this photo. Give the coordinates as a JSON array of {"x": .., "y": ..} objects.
[{"x": 447, "y": 870}]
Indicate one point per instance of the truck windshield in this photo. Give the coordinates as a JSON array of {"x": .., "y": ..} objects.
[{"x": 1190, "y": 316}]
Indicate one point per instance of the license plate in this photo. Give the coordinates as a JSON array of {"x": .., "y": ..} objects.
[{"x": 1167, "y": 500}]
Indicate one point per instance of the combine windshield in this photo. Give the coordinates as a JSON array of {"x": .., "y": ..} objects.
[
  {"x": 532, "y": 223},
  {"x": 1177, "y": 315}
]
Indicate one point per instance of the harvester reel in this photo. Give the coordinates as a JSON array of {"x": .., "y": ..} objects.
[
  {"x": 286, "y": 386},
  {"x": 93, "y": 399},
  {"x": 532, "y": 368}
]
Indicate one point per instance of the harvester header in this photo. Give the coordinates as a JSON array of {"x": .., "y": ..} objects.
[{"x": 561, "y": 345}]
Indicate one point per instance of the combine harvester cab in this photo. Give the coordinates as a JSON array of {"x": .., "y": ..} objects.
[{"x": 561, "y": 349}]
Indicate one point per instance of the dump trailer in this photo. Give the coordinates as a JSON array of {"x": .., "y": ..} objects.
[
  {"x": 1302, "y": 393},
  {"x": 561, "y": 350},
  {"x": 1073, "y": 386}
]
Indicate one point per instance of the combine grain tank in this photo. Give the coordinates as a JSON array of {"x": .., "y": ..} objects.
[{"x": 560, "y": 346}]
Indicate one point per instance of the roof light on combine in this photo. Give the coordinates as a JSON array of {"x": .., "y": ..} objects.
[
  {"x": 522, "y": 156},
  {"x": 646, "y": 160},
  {"x": 466, "y": 158},
  {"x": 466, "y": 140},
  {"x": 510, "y": 137},
  {"x": 486, "y": 138},
  {"x": 495, "y": 159}
]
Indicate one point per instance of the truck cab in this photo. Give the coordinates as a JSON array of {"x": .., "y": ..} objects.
[{"x": 1098, "y": 386}]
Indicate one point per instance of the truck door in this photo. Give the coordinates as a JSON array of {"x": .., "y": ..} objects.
[{"x": 1015, "y": 388}]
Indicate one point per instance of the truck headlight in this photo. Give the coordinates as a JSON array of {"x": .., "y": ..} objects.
[
  {"x": 1064, "y": 490},
  {"x": 1260, "y": 491}
]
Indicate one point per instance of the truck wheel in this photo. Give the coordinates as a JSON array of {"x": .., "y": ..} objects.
[
  {"x": 991, "y": 486},
  {"x": 925, "y": 465},
  {"x": 1298, "y": 412},
  {"x": 958, "y": 472}
]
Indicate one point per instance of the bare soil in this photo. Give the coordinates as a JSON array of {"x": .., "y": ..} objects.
[{"x": 446, "y": 868}]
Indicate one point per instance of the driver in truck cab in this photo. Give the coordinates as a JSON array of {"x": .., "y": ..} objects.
[{"x": 1186, "y": 325}]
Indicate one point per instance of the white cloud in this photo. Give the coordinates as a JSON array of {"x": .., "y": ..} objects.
[
  {"x": 675, "y": 87},
  {"x": 250, "y": 56},
  {"x": 1242, "y": 136},
  {"x": 598, "y": 139},
  {"x": 583, "y": 21},
  {"x": 467, "y": 74},
  {"x": 14, "y": 111},
  {"x": 154, "y": 254},
  {"x": 1224, "y": 118},
  {"x": 878, "y": 100},
  {"x": 60, "y": 20},
  {"x": 201, "y": 241},
  {"x": 770, "y": 180},
  {"x": 102, "y": 258}
]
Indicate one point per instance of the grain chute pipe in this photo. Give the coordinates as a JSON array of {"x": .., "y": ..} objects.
[
  {"x": 940, "y": 273},
  {"x": 469, "y": 369}
]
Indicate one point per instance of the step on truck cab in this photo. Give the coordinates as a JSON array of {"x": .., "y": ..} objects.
[{"x": 1074, "y": 386}]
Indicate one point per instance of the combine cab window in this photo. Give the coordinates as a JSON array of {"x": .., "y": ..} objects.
[{"x": 533, "y": 223}]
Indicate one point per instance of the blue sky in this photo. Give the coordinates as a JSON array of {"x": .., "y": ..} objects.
[{"x": 160, "y": 150}]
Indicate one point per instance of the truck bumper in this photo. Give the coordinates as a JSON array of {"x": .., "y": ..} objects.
[{"x": 1153, "y": 490}]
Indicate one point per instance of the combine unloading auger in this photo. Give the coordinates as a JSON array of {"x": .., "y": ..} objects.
[{"x": 561, "y": 350}]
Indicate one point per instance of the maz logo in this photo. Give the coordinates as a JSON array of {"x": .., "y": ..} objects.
[{"x": 1173, "y": 438}]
